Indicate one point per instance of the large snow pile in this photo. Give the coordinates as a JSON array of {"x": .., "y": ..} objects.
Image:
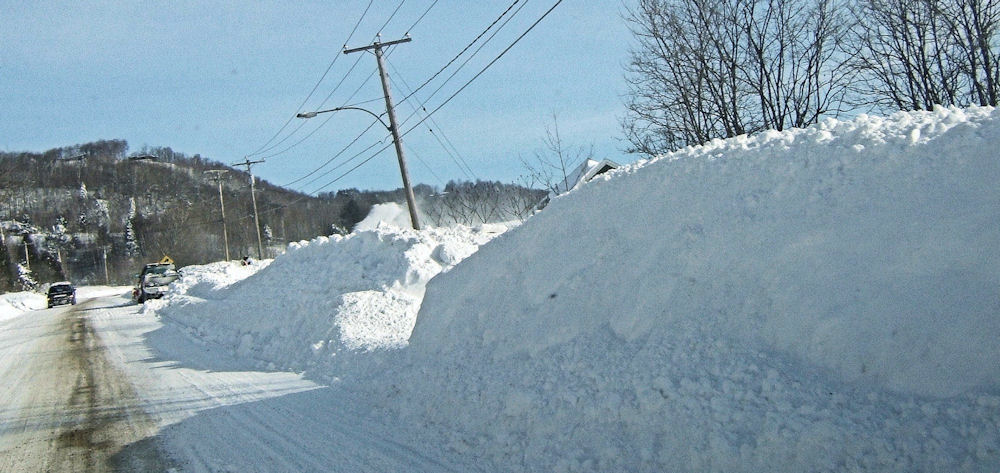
[
  {"x": 821, "y": 299},
  {"x": 323, "y": 299}
]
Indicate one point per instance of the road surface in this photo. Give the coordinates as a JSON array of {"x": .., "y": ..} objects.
[
  {"x": 66, "y": 406},
  {"x": 104, "y": 386}
]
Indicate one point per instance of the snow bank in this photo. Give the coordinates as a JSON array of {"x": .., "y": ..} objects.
[
  {"x": 823, "y": 299},
  {"x": 321, "y": 300},
  {"x": 13, "y": 304}
]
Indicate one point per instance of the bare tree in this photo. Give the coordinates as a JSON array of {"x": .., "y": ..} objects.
[
  {"x": 474, "y": 203},
  {"x": 796, "y": 65},
  {"x": 975, "y": 25},
  {"x": 916, "y": 54},
  {"x": 551, "y": 169},
  {"x": 704, "y": 69},
  {"x": 906, "y": 55}
]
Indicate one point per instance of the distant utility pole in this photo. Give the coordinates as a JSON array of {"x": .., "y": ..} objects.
[
  {"x": 62, "y": 265},
  {"x": 256, "y": 219},
  {"x": 107, "y": 277},
  {"x": 397, "y": 140},
  {"x": 217, "y": 177}
]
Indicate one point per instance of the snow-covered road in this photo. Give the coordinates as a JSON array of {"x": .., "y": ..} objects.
[
  {"x": 67, "y": 407},
  {"x": 104, "y": 387}
]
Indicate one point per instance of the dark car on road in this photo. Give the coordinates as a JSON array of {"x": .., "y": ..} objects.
[{"x": 61, "y": 293}]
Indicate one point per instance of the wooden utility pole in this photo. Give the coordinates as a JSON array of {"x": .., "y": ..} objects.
[
  {"x": 107, "y": 277},
  {"x": 62, "y": 265},
  {"x": 217, "y": 177},
  {"x": 396, "y": 139},
  {"x": 256, "y": 219}
]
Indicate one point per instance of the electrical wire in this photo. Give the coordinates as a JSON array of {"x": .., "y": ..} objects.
[
  {"x": 310, "y": 134},
  {"x": 362, "y": 163},
  {"x": 408, "y": 30},
  {"x": 502, "y": 53},
  {"x": 401, "y": 2},
  {"x": 303, "y": 123},
  {"x": 335, "y": 156},
  {"x": 459, "y": 160},
  {"x": 419, "y": 19},
  {"x": 429, "y": 168},
  {"x": 324, "y": 122},
  {"x": 348, "y": 160},
  {"x": 439, "y": 107},
  {"x": 465, "y": 62},
  {"x": 460, "y": 53},
  {"x": 315, "y": 87}
]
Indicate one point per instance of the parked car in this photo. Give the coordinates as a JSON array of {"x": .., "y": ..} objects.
[
  {"x": 154, "y": 279},
  {"x": 61, "y": 293}
]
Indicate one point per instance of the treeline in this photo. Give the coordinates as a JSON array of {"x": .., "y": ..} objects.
[
  {"x": 95, "y": 212},
  {"x": 458, "y": 203},
  {"x": 706, "y": 69}
]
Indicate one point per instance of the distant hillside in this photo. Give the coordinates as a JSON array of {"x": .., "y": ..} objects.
[{"x": 69, "y": 209}]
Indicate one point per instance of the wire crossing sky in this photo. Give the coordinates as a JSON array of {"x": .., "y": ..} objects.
[{"x": 225, "y": 80}]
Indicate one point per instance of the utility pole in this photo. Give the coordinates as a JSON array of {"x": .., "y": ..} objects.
[
  {"x": 396, "y": 139},
  {"x": 217, "y": 177},
  {"x": 256, "y": 220},
  {"x": 107, "y": 277},
  {"x": 62, "y": 265}
]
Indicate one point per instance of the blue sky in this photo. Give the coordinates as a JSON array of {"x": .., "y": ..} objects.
[{"x": 222, "y": 78}]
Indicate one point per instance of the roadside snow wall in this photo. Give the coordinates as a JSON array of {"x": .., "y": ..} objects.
[
  {"x": 821, "y": 299},
  {"x": 13, "y": 304},
  {"x": 322, "y": 300}
]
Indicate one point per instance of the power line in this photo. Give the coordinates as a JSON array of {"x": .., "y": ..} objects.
[
  {"x": 502, "y": 53},
  {"x": 335, "y": 156},
  {"x": 315, "y": 87},
  {"x": 466, "y": 61},
  {"x": 465, "y": 170},
  {"x": 320, "y": 105},
  {"x": 322, "y": 124},
  {"x": 460, "y": 53},
  {"x": 329, "y": 95},
  {"x": 408, "y": 30},
  {"x": 401, "y": 2},
  {"x": 429, "y": 168},
  {"x": 347, "y": 161},
  {"x": 428, "y": 116}
]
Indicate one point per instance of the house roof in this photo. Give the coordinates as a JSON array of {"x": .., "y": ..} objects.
[{"x": 585, "y": 172}]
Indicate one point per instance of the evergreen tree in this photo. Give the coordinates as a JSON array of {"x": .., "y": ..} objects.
[{"x": 131, "y": 242}]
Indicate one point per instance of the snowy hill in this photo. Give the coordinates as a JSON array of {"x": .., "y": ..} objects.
[{"x": 825, "y": 299}]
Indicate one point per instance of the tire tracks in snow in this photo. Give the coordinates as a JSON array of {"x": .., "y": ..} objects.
[{"x": 77, "y": 410}]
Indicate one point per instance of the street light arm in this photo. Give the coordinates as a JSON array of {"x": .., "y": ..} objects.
[{"x": 313, "y": 114}]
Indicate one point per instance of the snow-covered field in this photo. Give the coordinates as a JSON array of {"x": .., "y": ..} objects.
[{"x": 825, "y": 299}]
